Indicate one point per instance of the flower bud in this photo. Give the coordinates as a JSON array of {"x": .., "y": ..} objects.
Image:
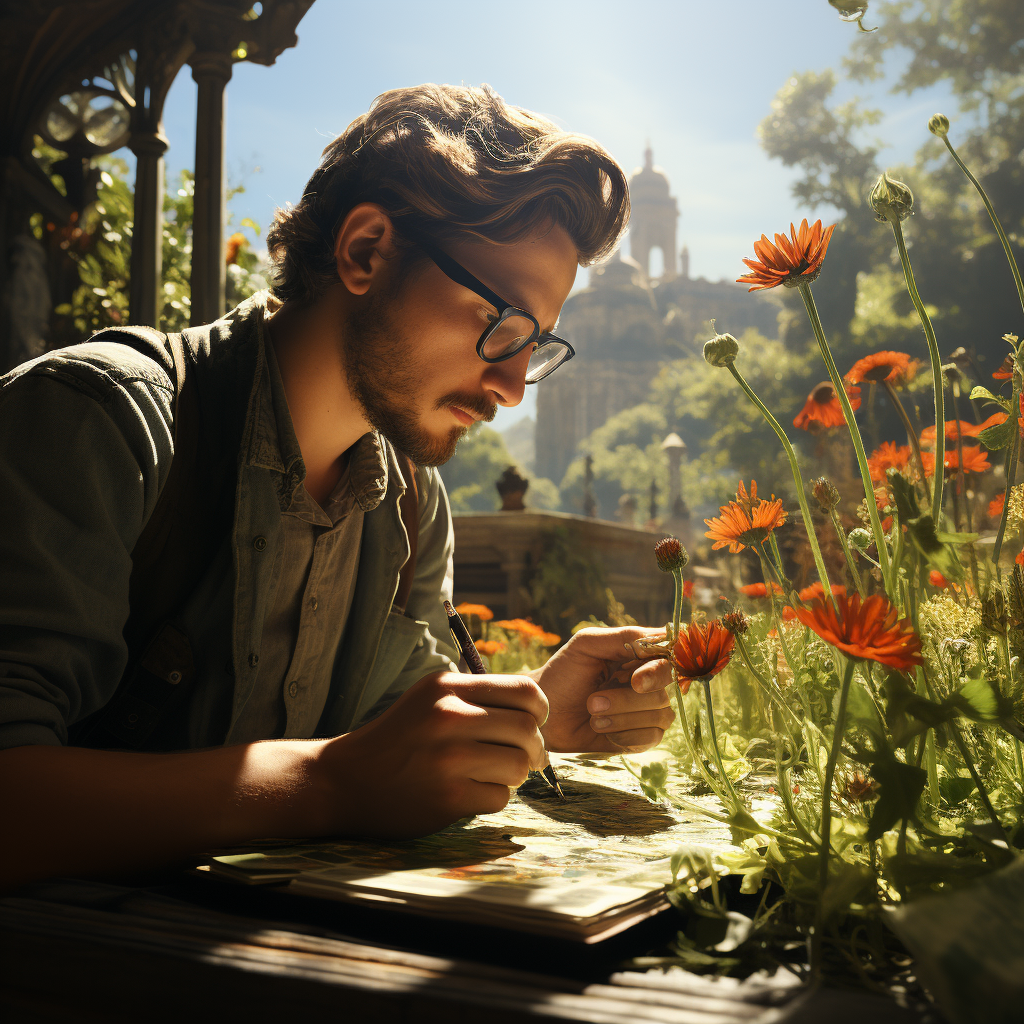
[
  {"x": 850, "y": 10},
  {"x": 860, "y": 539},
  {"x": 735, "y": 623},
  {"x": 721, "y": 350},
  {"x": 670, "y": 554},
  {"x": 825, "y": 491},
  {"x": 938, "y": 124},
  {"x": 891, "y": 199}
]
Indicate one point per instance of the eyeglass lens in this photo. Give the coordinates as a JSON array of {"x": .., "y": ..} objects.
[
  {"x": 508, "y": 337},
  {"x": 544, "y": 359}
]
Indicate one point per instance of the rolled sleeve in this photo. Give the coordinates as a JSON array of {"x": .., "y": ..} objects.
[{"x": 84, "y": 449}]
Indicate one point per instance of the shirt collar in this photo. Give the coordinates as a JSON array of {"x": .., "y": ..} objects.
[{"x": 275, "y": 446}]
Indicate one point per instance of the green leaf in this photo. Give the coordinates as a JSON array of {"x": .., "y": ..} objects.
[
  {"x": 980, "y": 393},
  {"x": 978, "y": 698},
  {"x": 862, "y": 713},
  {"x": 934, "y": 547},
  {"x": 1000, "y": 435},
  {"x": 906, "y": 497},
  {"x": 901, "y": 787}
]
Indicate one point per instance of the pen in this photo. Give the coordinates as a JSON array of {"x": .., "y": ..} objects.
[{"x": 464, "y": 643}]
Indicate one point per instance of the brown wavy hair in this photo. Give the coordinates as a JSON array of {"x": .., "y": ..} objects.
[{"x": 449, "y": 161}]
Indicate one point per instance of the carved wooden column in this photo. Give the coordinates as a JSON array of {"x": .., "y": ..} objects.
[
  {"x": 212, "y": 72},
  {"x": 160, "y": 56}
]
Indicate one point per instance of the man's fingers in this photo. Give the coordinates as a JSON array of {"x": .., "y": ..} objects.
[
  {"x": 516, "y": 693},
  {"x": 606, "y": 644},
  {"x": 621, "y": 700},
  {"x": 652, "y": 675},
  {"x": 658, "y": 718},
  {"x": 510, "y": 729}
]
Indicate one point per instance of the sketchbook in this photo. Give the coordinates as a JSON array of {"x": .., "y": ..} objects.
[{"x": 581, "y": 869}]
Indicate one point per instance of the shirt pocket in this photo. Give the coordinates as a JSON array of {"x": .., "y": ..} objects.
[{"x": 400, "y": 637}]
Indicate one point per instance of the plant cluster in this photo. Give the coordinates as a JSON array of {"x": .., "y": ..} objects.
[{"x": 886, "y": 702}]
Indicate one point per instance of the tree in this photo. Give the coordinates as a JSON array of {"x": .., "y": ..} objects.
[
  {"x": 100, "y": 247},
  {"x": 975, "y": 45}
]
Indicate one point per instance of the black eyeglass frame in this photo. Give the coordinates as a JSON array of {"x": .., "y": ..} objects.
[{"x": 460, "y": 275}]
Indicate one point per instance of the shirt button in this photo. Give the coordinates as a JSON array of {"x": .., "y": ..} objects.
[
  {"x": 293, "y": 689},
  {"x": 259, "y": 543},
  {"x": 254, "y": 660},
  {"x": 314, "y": 604}
]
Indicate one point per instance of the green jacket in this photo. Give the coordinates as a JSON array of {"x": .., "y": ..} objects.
[{"x": 86, "y": 442}]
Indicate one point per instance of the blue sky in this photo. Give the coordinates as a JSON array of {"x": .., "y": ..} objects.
[{"x": 694, "y": 77}]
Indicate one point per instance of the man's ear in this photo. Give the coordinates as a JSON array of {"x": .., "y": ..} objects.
[{"x": 363, "y": 247}]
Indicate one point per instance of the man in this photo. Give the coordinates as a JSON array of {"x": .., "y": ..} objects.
[{"x": 211, "y": 547}]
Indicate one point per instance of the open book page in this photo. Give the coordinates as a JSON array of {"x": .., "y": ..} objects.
[{"x": 539, "y": 864}]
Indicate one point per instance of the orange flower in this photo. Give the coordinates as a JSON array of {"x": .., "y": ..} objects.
[
  {"x": 481, "y": 611},
  {"x": 871, "y": 630},
  {"x": 522, "y": 626},
  {"x": 687, "y": 588},
  {"x": 888, "y": 455},
  {"x": 995, "y": 506},
  {"x": 747, "y": 520},
  {"x": 490, "y": 647},
  {"x": 975, "y": 460},
  {"x": 895, "y": 367},
  {"x": 1005, "y": 372},
  {"x": 790, "y": 261},
  {"x": 232, "y": 246},
  {"x": 759, "y": 589},
  {"x": 936, "y": 579},
  {"x": 966, "y": 429},
  {"x": 812, "y": 593},
  {"x": 701, "y": 650},
  {"x": 549, "y": 639},
  {"x": 822, "y": 409},
  {"x": 1020, "y": 558}
]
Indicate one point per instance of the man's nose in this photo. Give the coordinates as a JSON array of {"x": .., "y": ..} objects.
[{"x": 507, "y": 380}]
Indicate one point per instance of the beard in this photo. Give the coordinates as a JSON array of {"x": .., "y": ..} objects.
[{"x": 386, "y": 384}]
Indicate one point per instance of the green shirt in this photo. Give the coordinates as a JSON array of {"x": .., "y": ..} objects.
[{"x": 86, "y": 441}]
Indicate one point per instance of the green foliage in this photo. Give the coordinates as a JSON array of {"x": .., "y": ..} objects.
[
  {"x": 727, "y": 438},
  {"x": 470, "y": 475},
  {"x": 568, "y": 585},
  {"x": 102, "y": 253}
]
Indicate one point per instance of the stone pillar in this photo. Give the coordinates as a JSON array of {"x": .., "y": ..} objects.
[
  {"x": 212, "y": 72},
  {"x": 147, "y": 234}
]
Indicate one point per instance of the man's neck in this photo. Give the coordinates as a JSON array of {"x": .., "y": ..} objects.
[{"x": 326, "y": 417}]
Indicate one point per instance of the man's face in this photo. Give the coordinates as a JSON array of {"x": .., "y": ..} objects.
[{"x": 410, "y": 351}]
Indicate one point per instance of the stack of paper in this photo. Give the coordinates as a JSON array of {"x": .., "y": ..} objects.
[{"x": 581, "y": 869}]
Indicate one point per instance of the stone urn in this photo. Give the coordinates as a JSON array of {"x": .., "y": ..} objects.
[{"x": 512, "y": 487}]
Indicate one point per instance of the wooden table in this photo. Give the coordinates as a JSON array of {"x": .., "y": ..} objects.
[{"x": 201, "y": 950}]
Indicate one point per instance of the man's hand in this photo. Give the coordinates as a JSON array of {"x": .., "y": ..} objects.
[
  {"x": 601, "y": 697},
  {"x": 449, "y": 747}
]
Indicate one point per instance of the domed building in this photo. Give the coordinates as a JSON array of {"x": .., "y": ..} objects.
[
  {"x": 617, "y": 331},
  {"x": 653, "y": 218},
  {"x": 626, "y": 323}
]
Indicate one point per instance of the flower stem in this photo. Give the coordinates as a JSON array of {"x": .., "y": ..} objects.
[
  {"x": 912, "y": 438},
  {"x": 772, "y": 695},
  {"x": 1012, "y": 455},
  {"x": 695, "y": 754},
  {"x": 938, "y": 386},
  {"x": 851, "y": 423},
  {"x": 969, "y": 761},
  {"x": 677, "y": 604},
  {"x": 798, "y": 480},
  {"x": 995, "y": 220},
  {"x": 826, "y": 815},
  {"x": 714, "y": 737},
  {"x": 851, "y": 564}
]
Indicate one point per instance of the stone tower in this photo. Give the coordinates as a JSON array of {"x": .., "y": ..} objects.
[{"x": 652, "y": 222}]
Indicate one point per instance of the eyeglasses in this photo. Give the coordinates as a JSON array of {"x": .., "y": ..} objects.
[{"x": 512, "y": 329}]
